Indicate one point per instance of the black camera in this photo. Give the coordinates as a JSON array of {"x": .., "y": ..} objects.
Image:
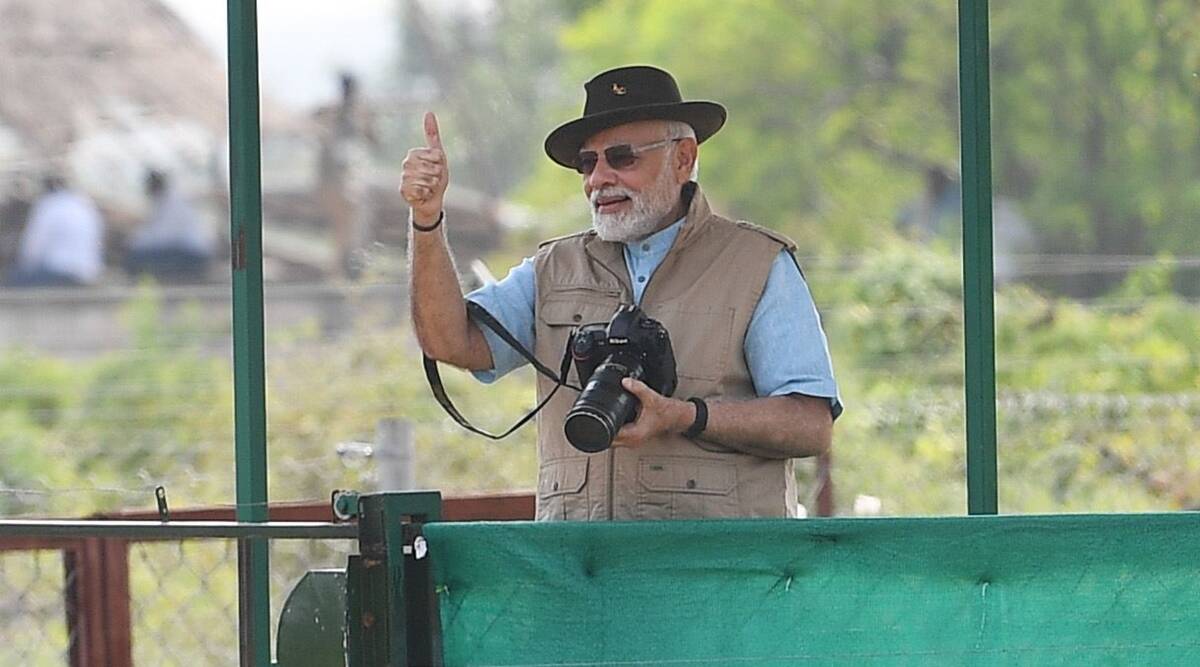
[{"x": 630, "y": 345}]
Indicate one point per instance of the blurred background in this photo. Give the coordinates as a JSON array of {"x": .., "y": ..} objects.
[{"x": 115, "y": 364}]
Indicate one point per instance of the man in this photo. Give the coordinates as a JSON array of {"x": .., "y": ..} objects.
[
  {"x": 175, "y": 244},
  {"x": 748, "y": 343},
  {"x": 346, "y": 139},
  {"x": 63, "y": 241}
]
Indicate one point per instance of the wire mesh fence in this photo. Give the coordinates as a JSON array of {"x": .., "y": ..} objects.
[
  {"x": 182, "y": 600},
  {"x": 34, "y": 608}
]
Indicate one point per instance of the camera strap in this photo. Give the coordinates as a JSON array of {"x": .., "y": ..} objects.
[{"x": 479, "y": 314}]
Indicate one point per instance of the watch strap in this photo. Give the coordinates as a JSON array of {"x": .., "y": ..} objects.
[{"x": 701, "y": 421}]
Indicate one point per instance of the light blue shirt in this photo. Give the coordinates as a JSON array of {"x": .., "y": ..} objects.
[{"x": 785, "y": 347}]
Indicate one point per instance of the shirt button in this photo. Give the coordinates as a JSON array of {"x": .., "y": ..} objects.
[
  {"x": 645, "y": 246},
  {"x": 641, "y": 279},
  {"x": 691, "y": 484},
  {"x": 554, "y": 486},
  {"x": 577, "y": 317}
]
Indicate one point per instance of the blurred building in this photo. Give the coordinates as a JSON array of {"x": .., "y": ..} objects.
[
  {"x": 97, "y": 91},
  {"x": 100, "y": 90}
]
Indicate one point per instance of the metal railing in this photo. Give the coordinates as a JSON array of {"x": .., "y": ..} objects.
[
  {"x": 126, "y": 589},
  {"x": 140, "y": 591}
]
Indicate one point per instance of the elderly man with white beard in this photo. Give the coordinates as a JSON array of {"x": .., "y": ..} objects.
[{"x": 755, "y": 387}]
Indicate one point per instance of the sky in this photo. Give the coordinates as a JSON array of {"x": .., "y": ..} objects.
[{"x": 303, "y": 44}]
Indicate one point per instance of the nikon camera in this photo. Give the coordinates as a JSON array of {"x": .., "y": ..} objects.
[{"x": 630, "y": 345}]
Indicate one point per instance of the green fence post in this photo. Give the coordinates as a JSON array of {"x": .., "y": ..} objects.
[
  {"x": 250, "y": 412},
  {"x": 391, "y": 612},
  {"x": 979, "y": 326}
]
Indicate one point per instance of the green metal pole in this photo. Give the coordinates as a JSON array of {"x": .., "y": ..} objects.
[
  {"x": 979, "y": 325},
  {"x": 250, "y": 411}
]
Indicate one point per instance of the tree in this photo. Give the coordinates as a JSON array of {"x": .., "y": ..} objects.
[
  {"x": 838, "y": 109},
  {"x": 1095, "y": 110}
]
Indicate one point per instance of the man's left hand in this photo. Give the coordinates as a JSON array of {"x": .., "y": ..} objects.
[{"x": 659, "y": 416}]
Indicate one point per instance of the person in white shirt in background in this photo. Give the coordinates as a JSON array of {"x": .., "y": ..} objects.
[
  {"x": 174, "y": 244},
  {"x": 63, "y": 241}
]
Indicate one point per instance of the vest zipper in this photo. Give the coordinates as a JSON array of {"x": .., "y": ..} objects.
[
  {"x": 612, "y": 459},
  {"x": 612, "y": 455}
]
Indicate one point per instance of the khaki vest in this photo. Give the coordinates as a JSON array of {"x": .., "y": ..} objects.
[{"x": 704, "y": 293}]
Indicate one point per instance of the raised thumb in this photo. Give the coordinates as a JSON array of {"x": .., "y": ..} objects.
[{"x": 433, "y": 138}]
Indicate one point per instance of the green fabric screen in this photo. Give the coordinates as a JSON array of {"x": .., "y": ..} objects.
[{"x": 1076, "y": 589}]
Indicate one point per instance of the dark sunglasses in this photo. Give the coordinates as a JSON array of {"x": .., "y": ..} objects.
[{"x": 621, "y": 156}]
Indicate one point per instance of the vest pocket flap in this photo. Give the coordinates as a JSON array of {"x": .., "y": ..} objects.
[
  {"x": 575, "y": 311},
  {"x": 562, "y": 476},
  {"x": 687, "y": 475}
]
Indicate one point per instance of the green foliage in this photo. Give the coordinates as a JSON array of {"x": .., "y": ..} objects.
[
  {"x": 1095, "y": 111},
  {"x": 836, "y": 111},
  {"x": 827, "y": 112},
  {"x": 38, "y": 393},
  {"x": 900, "y": 304},
  {"x": 154, "y": 407},
  {"x": 100, "y": 434},
  {"x": 1097, "y": 402},
  {"x": 328, "y": 393}
]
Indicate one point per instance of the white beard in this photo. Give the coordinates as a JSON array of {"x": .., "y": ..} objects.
[{"x": 645, "y": 213}]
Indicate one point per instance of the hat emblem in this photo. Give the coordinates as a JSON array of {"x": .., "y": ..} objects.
[{"x": 618, "y": 89}]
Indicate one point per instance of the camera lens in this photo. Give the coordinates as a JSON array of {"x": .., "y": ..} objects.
[
  {"x": 602, "y": 407},
  {"x": 589, "y": 431}
]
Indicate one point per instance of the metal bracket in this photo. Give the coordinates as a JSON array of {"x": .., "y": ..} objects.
[
  {"x": 160, "y": 495},
  {"x": 345, "y": 504}
]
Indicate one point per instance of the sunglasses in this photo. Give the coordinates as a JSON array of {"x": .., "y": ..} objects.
[{"x": 621, "y": 156}]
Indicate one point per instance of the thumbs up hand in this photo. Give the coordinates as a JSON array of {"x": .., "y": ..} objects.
[{"x": 425, "y": 175}]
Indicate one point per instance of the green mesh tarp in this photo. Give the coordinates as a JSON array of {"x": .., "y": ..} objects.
[{"x": 1113, "y": 589}]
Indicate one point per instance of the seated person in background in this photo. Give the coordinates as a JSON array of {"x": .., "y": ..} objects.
[
  {"x": 63, "y": 241},
  {"x": 174, "y": 244}
]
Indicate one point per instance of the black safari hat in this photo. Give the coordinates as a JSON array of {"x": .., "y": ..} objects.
[{"x": 628, "y": 94}]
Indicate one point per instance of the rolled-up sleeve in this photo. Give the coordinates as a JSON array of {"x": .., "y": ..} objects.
[
  {"x": 510, "y": 301},
  {"x": 786, "y": 350}
]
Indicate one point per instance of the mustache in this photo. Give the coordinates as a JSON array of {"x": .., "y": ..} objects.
[{"x": 614, "y": 191}]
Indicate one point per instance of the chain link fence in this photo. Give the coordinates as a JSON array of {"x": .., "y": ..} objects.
[
  {"x": 33, "y": 608},
  {"x": 183, "y": 599}
]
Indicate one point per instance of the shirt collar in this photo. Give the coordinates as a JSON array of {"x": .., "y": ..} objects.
[{"x": 658, "y": 243}]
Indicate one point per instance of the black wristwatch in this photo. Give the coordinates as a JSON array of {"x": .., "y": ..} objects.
[
  {"x": 701, "y": 421},
  {"x": 428, "y": 228}
]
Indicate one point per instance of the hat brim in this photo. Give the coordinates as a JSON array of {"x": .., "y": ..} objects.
[{"x": 563, "y": 144}]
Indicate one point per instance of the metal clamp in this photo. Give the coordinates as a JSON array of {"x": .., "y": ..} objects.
[{"x": 345, "y": 504}]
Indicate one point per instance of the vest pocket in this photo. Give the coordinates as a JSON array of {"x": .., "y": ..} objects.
[
  {"x": 701, "y": 337},
  {"x": 573, "y": 309},
  {"x": 560, "y": 313},
  {"x": 683, "y": 487},
  {"x": 561, "y": 493}
]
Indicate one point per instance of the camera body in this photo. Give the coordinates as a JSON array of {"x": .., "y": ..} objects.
[{"x": 629, "y": 345}]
